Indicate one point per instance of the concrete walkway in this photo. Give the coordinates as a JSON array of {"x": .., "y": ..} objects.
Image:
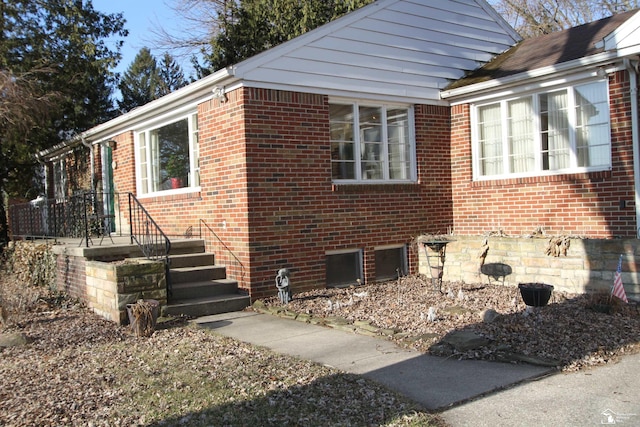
[{"x": 496, "y": 394}]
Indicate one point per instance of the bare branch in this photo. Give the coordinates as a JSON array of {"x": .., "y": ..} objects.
[
  {"x": 535, "y": 17},
  {"x": 21, "y": 103},
  {"x": 200, "y": 26}
]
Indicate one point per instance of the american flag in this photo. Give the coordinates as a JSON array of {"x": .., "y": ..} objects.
[{"x": 618, "y": 288}]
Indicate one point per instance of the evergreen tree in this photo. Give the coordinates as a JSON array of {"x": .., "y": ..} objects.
[
  {"x": 249, "y": 27},
  {"x": 56, "y": 80},
  {"x": 139, "y": 85},
  {"x": 170, "y": 76},
  {"x": 146, "y": 80}
]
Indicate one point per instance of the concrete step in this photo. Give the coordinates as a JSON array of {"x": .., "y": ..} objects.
[
  {"x": 187, "y": 246},
  {"x": 196, "y": 307},
  {"x": 178, "y": 248},
  {"x": 197, "y": 274},
  {"x": 192, "y": 259},
  {"x": 209, "y": 288}
]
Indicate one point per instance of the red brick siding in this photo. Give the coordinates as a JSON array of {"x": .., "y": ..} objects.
[
  {"x": 297, "y": 214},
  {"x": 124, "y": 171},
  {"x": 78, "y": 169},
  {"x": 223, "y": 184},
  {"x": 593, "y": 204},
  {"x": 124, "y": 178},
  {"x": 266, "y": 172},
  {"x": 71, "y": 276}
]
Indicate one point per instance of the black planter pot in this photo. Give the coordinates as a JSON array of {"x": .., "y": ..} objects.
[{"x": 535, "y": 294}]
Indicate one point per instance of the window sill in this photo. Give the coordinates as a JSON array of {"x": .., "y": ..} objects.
[
  {"x": 169, "y": 195},
  {"x": 359, "y": 187},
  {"x": 594, "y": 176}
]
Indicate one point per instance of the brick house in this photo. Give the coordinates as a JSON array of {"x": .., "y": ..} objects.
[
  {"x": 546, "y": 136},
  {"x": 329, "y": 153}
]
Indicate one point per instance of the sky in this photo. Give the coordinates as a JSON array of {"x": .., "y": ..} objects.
[{"x": 142, "y": 17}]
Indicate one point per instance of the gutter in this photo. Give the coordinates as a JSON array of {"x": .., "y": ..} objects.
[
  {"x": 196, "y": 91},
  {"x": 540, "y": 73},
  {"x": 632, "y": 68}
]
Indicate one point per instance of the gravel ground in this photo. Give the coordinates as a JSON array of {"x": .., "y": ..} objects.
[{"x": 566, "y": 333}]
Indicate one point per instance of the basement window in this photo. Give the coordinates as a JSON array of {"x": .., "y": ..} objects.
[
  {"x": 344, "y": 268},
  {"x": 391, "y": 261}
]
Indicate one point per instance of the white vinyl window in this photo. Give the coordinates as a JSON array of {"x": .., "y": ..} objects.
[
  {"x": 372, "y": 143},
  {"x": 560, "y": 131},
  {"x": 167, "y": 156}
]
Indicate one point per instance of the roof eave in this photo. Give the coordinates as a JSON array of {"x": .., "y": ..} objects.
[
  {"x": 196, "y": 91},
  {"x": 532, "y": 75}
]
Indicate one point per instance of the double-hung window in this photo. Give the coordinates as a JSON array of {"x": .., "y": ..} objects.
[
  {"x": 372, "y": 143},
  {"x": 167, "y": 156},
  {"x": 559, "y": 131}
]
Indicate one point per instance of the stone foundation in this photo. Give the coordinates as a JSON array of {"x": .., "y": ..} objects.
[{"x": 589, "y": 264}]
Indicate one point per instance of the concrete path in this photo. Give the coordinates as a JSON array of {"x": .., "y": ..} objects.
[
  {"x": 466, "y": 393},
  {"x": 433, "y": 382},
  {"x": 606, "y": 395}
]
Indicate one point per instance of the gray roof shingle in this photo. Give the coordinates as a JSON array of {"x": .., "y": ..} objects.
[{"x": 547, "y": 50}]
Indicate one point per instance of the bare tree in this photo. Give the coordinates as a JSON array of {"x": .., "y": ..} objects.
[
  {"x": 21, "y": 102},
  {"x": 535, "y": 17},
  {"x": 200, "y": 20}
]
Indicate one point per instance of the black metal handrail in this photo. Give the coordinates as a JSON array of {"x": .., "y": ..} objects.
[
  {"x": 223, "y": 253},
  {"x": 152, "y": 241},
  {"x": 85, "y": 214}
]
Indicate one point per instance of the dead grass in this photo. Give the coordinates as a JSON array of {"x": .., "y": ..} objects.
[{"x": 79, "y": 369}]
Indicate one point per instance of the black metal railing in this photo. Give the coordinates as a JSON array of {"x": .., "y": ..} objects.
[
  {"x": 224, "y": 255},
  {"x": 152, "y": 241},
  {"x": 84, "y": 215}
]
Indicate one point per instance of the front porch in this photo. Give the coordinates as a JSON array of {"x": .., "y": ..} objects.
[
  {"x": 108, "y": 276},
  {"x": 106, "y": 268}
]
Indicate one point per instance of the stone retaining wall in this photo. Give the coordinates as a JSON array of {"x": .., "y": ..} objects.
[
  {"x": 111, "y": 286},
  {"x": 589, "y": 264},
  {"x": 107, "y": 278}
]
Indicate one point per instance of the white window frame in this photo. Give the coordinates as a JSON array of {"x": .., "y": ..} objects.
[
  {"x": 144, "y": 134},
  {"x": 60, "y": 178},
  {"x": 384, "y": 106},
  {"x": 538, "y": 168}
]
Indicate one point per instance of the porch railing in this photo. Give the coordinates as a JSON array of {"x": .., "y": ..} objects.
[
  {"x": 224, "y": 255},
  {"x": 152, "y": 241},
  {"x": 84, "y": 215}
]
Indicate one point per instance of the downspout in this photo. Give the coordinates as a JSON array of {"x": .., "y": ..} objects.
[
  {"x": 45, "y": 173},
  {"x": 633, "y": 92},
  {"x": 92, "y": 166}
]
